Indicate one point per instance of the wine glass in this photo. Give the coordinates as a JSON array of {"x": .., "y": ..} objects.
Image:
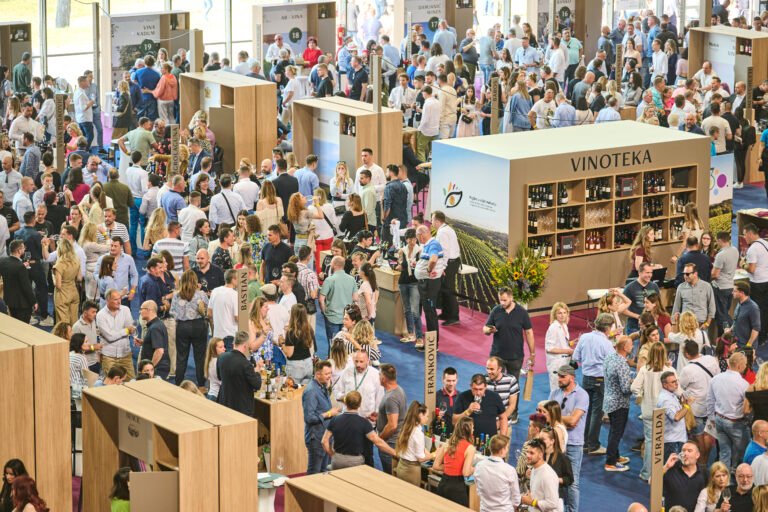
[
  {"x": 280, "y": 465},
  {"x": 478, "y": 401},
  {"x": 443, "y": 409},
  {"x": 726, "y": 495}
]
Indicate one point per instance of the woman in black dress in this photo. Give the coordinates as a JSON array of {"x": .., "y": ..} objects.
[{"x": 354, "y": 219}]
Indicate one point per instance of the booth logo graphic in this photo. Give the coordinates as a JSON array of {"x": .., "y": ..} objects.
[{"x": 452, "y": 195}]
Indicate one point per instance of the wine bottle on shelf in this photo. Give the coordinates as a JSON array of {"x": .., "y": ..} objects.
[
  {"x": 550, "y": 198},
  {"x": 563, "y": 195}
]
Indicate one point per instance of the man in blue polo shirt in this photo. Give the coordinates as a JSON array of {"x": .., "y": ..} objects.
[
  {"x": 429, "y": 271},
  {"x": 308, "y": 180},
  {"x": 574, "y": 403}
]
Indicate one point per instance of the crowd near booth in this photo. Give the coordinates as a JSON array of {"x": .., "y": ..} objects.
[{"x": 377, "y": 255}]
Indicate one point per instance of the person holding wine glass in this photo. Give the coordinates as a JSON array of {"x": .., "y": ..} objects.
[
  {"x": 483, "y": 406},
  {"x": 446, "y": 399},
  {"x": 716, "y": 490},
  {"x": 738, "y": 497}
]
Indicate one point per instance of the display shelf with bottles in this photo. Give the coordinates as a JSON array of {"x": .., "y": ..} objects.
[
  {"x": 544, "y": 245},
  {"x": 605, "y": 212},
  {"x": 743, "y": 46}
]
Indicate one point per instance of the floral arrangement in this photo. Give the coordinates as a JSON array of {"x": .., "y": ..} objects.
[{"x": 525, "y": 274}]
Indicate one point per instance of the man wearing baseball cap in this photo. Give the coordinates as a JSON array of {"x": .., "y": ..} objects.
[{"x": 574, "y": 403}]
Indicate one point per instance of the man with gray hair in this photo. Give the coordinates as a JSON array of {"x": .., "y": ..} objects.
[
  {"x": 239, "y": 379},
  {"x": 115, "y": 326},
  {"x": 154, "y": 345},
  {"x": 591, "y": 351},
  {"x": 255, "y": 70}
]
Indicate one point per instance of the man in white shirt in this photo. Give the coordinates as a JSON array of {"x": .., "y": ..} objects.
[
  {"x": 223, "y": 309},
  {"x": 448, "y": 101},
  {"x": 247, "y": 189},
  {"x": 277, "y": 315},
  {"x": 497, "y": 484},
  {"x": 21, "y": 201},
  {"x": 378, "y": 178},
  {"x": 446, "y": 236},
  {"x": 23, "y": 124},
  {"x": 738, "y": 96},
  {"x": 273, "y": 51},
  {"x": 225, "y": 204},
  {"x": 705, "y": 75},
  {"x": 513, "y": 42},
  {"x": 543, "y": 111},
  {"x": 558, "y": 61},
  {"x": 695, "y": 378},
  {"x": 5, "y": 234},
  {"x": 659, "y": 61},
  {"x": 716, "y": 87},
  {"x": 189, "y": 216},
  {"x": 610, "y": 112},
  {"x": 84, "y": 109},
  {"x": 715, "y": 120},
  {"x": 243, "y": 67},
  {"x": 757, "y": 266},
  {"x": 115, "y": 326},
  {"x": 137, "y": 180},
  {"x": 543, "y": 494},
  {"x": 363, "y": 378},
  {"x": 403, "y": 97},
  {"x": 429, "y": 127},
  {"x": 725, "y": 409}
]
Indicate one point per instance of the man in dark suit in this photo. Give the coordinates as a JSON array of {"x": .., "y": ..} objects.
[
  {"x": 33, "y": 244},
  {"x": 239, "y": 379},
  {"x": 285, "y": 184},
  {"x": 196, "y": 155},
  {"x": 19, "y": 296}
]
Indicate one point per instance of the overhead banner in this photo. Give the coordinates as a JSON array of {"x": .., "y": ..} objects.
[
  {"x": 288, "y": 20},
  {"x": 133, "y": 38},
  {"x": 426, "y": 13},
  {"x": 478, "y": 213}
]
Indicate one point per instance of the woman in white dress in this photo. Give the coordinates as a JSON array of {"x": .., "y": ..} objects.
[
  {"x": 557, "y": 341},
  {"x": 469, "y": 107}
]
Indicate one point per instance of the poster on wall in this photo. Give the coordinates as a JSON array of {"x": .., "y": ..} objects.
[
  {"x": 721, "y": 52},
  {"x": 721, "y": 193},
  {"x": 369, "y": 19},
  {"x": 290, "y": 21},
  {"x": 565, "y": 11},
  {"x": 133, "y": 38},
  {"x": 134, "y": 436},
  {"x": 478, "y": 213},
  {"x": 325, "y": 142},
  {"x": 426, "y": 13}
]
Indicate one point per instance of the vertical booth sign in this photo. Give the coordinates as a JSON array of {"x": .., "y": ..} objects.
[
  {"x": 721, "y": 193},
  {"x": 133, "y": 38},
  {"x": 174, "y": 149},
  {"x": 242, "y": 299},
  {"x": 60, "y": 147},
  {"x": 430, "y": 371},
  {"x": 657, "y": 459}
]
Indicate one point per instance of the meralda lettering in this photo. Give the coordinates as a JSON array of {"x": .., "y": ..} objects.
[{"x": 608, "y": 160}]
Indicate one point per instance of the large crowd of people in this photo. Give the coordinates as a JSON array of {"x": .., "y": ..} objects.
[{"x": 139, "y": 272}]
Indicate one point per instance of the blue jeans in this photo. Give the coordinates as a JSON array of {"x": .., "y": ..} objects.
[
  {"x": 732, "y": 437},
  {"x": 317, "y": 460},
  {"x": 300, "y": 370},
  {"x": 330, "y": 331},
  {"x": 386, "y": 461},
  {"x": 645, "y": 472},
  {"x": 137, "y": 225},
  {"x": 574, "y": 453},
  {"x": 98, "y": 129},
  {"x": 595, "y": 387},
  {"x": 487, "y": 69},
  {"x": 87, "y": 128},
  {"x": 723, "y": 300},
  {"x": 409, "y": 294}
]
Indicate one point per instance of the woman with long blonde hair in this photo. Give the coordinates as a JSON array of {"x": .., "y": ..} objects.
[
  {"x": 719, "y": 479},
  {"x": 66, "y": 274},
  {"x": 692, "y": 226},
  {"x": 341, "y": 185},
  {"x": 685, "y": 327},
  {"x": 156, "y": 229},
  {"x": 455, "y": 459},
  {"x": 93, "y": 251},
  {"x": 646, "y": 387},
  {"x": 95, "y": 202},
  {"x": 557, "y": 341},
  {"x": 260, "y": 330},
  {"x": 760, "y": 498},
  {"x": 301, "y": 219},
  {"x": 615, "y": 303},
  {"x": 189, "y": 306},
  {"x": 410, "y": 445},
  {"x": 270, "y": 206},
  {"x": 364, "y": 338}
]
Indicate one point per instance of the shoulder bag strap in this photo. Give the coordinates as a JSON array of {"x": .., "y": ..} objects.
[
  {"x": 333, "y": 228},
  {"x": 703, "y": 368},
  {"x": 234, "y": 219}
]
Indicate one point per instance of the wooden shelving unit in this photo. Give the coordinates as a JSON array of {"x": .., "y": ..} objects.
[{"x": 604, "y": 213}]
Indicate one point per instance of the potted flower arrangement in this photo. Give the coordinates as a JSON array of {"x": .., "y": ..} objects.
[{"x": 525, "y": 274}]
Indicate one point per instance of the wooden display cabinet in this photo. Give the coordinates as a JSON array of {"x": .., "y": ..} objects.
[
  {"x": 608, "y": 209},
  {"x": 15, "y": 39},
  {"x": 34, "y": 377},
  {"x": 281, "y": 423}
]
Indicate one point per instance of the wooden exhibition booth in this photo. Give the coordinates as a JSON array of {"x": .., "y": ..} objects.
[
  {"x": 195, "y": 455},
  {"x": 361, "y": 489},
  {"x": 123, "y": 38},
  {"x": 34, "y": 377},
  {"x": 281, "y": 423},
  {"x": 732, "y": 51},
  {"x": 15, "y": 39},
  {"x": 241, "y": 112},
  {"x": 619, "y": 158},
  {"x": 296, "y": 22},
  {"x": 339, "y": 128}
]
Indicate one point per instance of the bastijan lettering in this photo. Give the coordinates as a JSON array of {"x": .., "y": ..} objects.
[{"x": 609, "y": 160}]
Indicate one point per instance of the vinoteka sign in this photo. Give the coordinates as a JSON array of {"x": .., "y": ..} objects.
[{"x": 611, "y": 160}]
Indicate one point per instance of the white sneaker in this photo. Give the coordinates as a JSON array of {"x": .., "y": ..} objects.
[
  {"x": 738, "y": 184},
  {"x": 48, "y": 322},
  {"x": 33, "y": 321}
]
